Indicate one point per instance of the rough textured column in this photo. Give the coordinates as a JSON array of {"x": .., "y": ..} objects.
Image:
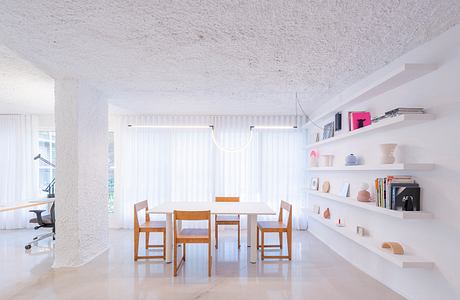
[{"x": 81, "y": 173}]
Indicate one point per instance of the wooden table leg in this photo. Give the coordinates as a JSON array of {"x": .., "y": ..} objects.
[
  {"x": 169, "y": 238},
  {"x": 252, "y": 231}
]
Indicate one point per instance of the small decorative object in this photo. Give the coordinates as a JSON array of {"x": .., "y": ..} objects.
[
  {"x": 358, "y": 119},
  {"x": 328, "y": 131},
  {"x": 351, "y": 160},
  {"x": 317, "y": 137},
  {"x": 339, "y": 223},
  {"x": 387, "y": 153},
  {"x": 314, "y": 156},
  {"x": 363, "y": 194},
  {"x": 395, "y": 247},
  {"x": 338, "y": 121},
  {"x": 316, "y": 209},
  {"x": 326, "y": 160},
  {"x": 326, "y": 187},
  {"x": 345, "y": 189},
  {"x": 314, "y": 183},
  {"x": 327, "y": 213},
  {"x": 360, "y": 231}
]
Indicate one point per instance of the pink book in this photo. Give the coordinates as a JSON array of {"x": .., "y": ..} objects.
[{"x": 360, "y": 119}]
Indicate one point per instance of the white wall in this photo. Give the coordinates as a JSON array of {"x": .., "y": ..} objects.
[{"x": 435, "y": 141}]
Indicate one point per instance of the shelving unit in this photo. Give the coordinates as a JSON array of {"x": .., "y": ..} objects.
[
  {"x": 393, "y": 79},
  {"x": 385, "y": 167},
  {"x": 398, "y": 121},
  {"x": 370, "y": 206},
  {"x": 407, "y": 260}
]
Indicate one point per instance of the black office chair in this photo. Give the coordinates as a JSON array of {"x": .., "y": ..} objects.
[{"x": 47, "y": 221}]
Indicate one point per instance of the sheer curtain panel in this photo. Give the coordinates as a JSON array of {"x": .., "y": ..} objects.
[
  {"x": 18, "y": 172},
  {"x": 183, "y": 164}
]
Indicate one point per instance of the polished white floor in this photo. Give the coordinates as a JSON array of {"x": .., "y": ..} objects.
[{"x": 315, "y": 272}]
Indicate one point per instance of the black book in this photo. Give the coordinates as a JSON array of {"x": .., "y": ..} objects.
[{"x": 405, "y": 197}]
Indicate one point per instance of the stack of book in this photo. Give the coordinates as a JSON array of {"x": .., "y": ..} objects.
[
  {"x": 405, "y": 111},
  {"x": 398, "y": 193},
  {"x": 400, "y": 111}
]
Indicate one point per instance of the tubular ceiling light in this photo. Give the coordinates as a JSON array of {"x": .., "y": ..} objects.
[
  {"x": 171, "y": 126},
  {"x": 274, "y": 127},
  {"x": 222, "y": 148}
]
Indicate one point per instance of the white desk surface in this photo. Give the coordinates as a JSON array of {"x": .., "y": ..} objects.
[
  {"x": 37, "y": 202},
  {"x": 221, "y": 208}
]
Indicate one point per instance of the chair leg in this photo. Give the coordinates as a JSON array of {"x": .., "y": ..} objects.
[
  {"x": 262, "y": 245},
  {"x": 209, "y": 259},
  {"x": 217, "y": 235},
  {"x": 136, "y": 245},
  {"x": 239, "y": 236},
  {"x": 281, "y": 240},
  {"x": 175, "y": 259},
  {"x": 147, "y": 239},
  {"x": 289, "y": 242},
  {"x": 183, "y": 253},
  {"x": 257, "y": 238},
  {"x": 164, "y": 244}
]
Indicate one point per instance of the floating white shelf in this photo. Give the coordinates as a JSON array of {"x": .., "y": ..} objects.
[
  {"x": 407, "y": 260},
  {"x": 398, "y": 121},
  {"x": 395, "y": 78},
  {"x": 372, "y": 207},
  {"x": 387, "y": 167}
]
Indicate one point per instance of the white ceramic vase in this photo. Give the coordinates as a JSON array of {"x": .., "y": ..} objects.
[
  {"x": 326, "y": 160},
  {"x": 388, "y": 153}
]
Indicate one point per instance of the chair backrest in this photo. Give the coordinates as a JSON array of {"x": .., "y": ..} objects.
[
  {"x": 53, "y": 216},
  {"x": 227, "y": 199},
  {"x": 138, "y": 207},
  {"x": 288, "y": 208},
  {"x": 198, "y": 215}
]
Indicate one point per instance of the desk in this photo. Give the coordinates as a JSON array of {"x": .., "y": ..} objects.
[
  {"x": 41, "y": 201},
  {"x": 251, "y": 209}
]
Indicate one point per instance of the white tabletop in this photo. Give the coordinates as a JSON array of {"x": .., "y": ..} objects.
[{"x": 221, "y": 208}]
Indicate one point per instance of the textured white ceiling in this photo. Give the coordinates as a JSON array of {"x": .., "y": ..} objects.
[
  {"x": 219, "y": 57},
  {"x": 23, "y": 88}
]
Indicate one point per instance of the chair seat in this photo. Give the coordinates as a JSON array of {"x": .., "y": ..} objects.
[
  {"x": 227, "y": 218},
  {"x": 46, "y": 220},
  {"x": 153, "y": 224},
  {"x": 271, "y": 225},
  {"x": 193, "y": 233}
]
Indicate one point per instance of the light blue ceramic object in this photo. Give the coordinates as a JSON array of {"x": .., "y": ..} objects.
[{"x": 351, "y": 160}]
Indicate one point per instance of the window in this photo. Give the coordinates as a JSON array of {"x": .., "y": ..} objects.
[
  {"x": 111, "y": 173},
  {"x": 47, "y": 146}
]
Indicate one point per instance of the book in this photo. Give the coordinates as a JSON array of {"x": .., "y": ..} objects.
[
  {"x": 359, "y": 119},
  {"x": 406, "y": 198},
  {"x": 389, "y": 188}
]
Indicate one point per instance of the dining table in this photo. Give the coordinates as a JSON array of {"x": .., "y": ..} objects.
[{"x": 251, "y": 209}]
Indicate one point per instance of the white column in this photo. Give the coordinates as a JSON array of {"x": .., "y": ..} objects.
[{"x": 81, "y": 117}]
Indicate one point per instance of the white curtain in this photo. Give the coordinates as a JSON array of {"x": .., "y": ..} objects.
[
  {"x": 18, "y": 172},
  {"x": 163, "y": 165}
]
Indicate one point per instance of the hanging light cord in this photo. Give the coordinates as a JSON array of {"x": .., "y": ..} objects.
[
  {"x": 232, "y": 150},
  {"x": 303, "y": 112}
]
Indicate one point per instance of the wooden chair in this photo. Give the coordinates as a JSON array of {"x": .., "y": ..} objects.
[
  {"x": 147, "y": 227},
  {"x": 277, "y": 226},
  {"x": 189, "y": 236},
  {"x": 227, "y": 219}
]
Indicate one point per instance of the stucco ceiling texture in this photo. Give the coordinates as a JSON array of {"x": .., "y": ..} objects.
[
  {"x": 23, "y": 87},
  {"x": 219, "y": 57}
]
